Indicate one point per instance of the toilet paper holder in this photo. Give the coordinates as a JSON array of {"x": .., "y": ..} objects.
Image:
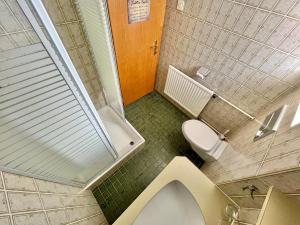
[{"x": 203, "y": 72}]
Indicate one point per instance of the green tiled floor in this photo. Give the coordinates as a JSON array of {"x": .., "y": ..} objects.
[{"x": 159, "y": 122}]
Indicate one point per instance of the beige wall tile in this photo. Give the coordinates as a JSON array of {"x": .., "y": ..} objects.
[
  {"x": 54, "y": 11},
  {"x": 16, "y": 182},
  {"x": 68, "y": 200},
  {"x": 21, "y": 39},
  {"x": 222, "y": 116},
  {"x": 8, "y": 21},
  {"x": 280, "y": 163},
  {"x": 77, "y": 33},
  {"x": 24, "y": 201},
  {"x": 284, "y": 148},
  {"x": 233, "y": 58},
  {"x": 68, "y": 9},
  {"x": 24, "y": 198},
  {"x": 73, "y": 37},
  {"x": 73, "y": 214},
  {"x": 249, "y": 216},
  {"x": 46, "y": 186},
  {"x": 57, "y": 217},
  {"x": 92, "y": 221},
  {"x": 50, "y": 187},
  {"x": 61, "y": 189},
  {"x": 3, "y": 203},
  {"x": 5, "y": 220},
  {"x": 236, "y": 188},
  {"x": 65, "y": 36},
  {"x": 288, "y": 182},
  {"x": 85, "y": 54},
  {"x": 248, "y": 202},
  {"x": 275, "y": 153},
  {"x": 6, "y": 43},
  {"x": 30, "y": 219},
  {"x": 51, "y": 201}
]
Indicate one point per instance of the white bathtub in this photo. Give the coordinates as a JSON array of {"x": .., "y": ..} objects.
[{"x": 173, "y": 204}]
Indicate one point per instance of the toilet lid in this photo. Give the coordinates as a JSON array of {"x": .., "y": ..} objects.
[{"x": 199, "y": 134}]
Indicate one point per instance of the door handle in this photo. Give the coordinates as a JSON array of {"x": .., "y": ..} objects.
[{"x": 154, "y": 47}]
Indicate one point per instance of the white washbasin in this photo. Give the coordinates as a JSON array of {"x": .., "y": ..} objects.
[{"x": 172, "y": 205}]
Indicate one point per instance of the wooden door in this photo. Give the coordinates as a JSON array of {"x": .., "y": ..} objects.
[{"x": 134, "y": 46}]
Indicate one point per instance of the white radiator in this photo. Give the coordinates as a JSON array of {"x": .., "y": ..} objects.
[{"x": 188, "y": 93}]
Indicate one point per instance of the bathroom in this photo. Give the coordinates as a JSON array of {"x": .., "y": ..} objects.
[{"x": 131, "y": 112}]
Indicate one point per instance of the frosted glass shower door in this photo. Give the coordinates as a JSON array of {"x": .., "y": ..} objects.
[
  {"x": 95, "y": 18},
  {"x": 49, "y": 127},
  {"x": 44, "y": 130}
]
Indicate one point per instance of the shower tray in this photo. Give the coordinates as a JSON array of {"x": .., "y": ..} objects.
[{"x": 124, "y": 137}]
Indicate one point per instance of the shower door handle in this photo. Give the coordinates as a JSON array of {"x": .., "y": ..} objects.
[{"x": 154, "y": 47}]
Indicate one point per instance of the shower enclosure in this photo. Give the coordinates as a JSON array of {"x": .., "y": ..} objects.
[{"x": 49, "y": 127}]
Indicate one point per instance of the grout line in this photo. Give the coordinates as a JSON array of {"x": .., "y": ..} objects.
[
  {"x": 240, "y": 222},
  {"x": 237, "y": 34},
  {"x": 266, "y": 154},
  {"x": 41, "y": 201},
  {"x": 86, "y": 218},
  {"x": 14, "y": 32},
  {"x": 265, "y": 10},
  {"x": 241, "y": 84},
  {"x": 48, "y": 210},
  {"x": 260, "y": 176},
  {"x": 6, "y": 34},
  {"x": 282, "y": 155},
  {"x": 247, "y": 196},
  {"x": 249, "y": 208},
  {"x": 44, "y": 193},
  {"x": 232, "y": 58},
  {"x": 7, "y": 199},
  {"x": 29, "y": 39},
  {"x": 77, "y": 47}
]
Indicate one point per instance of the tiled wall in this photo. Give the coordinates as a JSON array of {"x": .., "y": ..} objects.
[
  {"x": 28, "y": 201},
  {"x": 250, "y": 208},
  {"x": 251, "y": 46},
  {"x": 16, "y": 31},
  {"x": 287, "y": 182},
  {"x": 223, "y": 116},
  {"x": 66, "y": 19},
  {"x": 276, "y": 152},
  {"x": 273, "y": 160}
]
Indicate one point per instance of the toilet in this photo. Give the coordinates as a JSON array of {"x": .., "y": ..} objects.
[{"x": 203, "y": 140}]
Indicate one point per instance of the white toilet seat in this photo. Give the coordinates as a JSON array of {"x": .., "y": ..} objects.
[
  {"x": 199, "y": 134},
  {"x": 203, "y": 140}
]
